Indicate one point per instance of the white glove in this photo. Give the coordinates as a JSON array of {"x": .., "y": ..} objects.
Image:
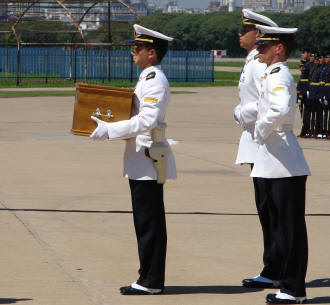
[
  {"x": 307, "y": 94},
  {"x": 299, "y": 102},
  {"x": 237, "y": 114},
  {"x": 320, "y": 100},
  {"x": 249, "y": 113},
  {"x": 101, "y": 131},
  {"x": 325, "y": 102}
]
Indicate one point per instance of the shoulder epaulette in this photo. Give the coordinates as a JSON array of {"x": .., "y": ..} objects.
[
  {"x": 151, "y": 75},
  {"x": 275, "y": 70}
]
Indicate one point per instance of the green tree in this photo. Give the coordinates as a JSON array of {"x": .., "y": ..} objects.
[
  {"x": 219, "y": 30},
  {"x": 190, "y": 31}
]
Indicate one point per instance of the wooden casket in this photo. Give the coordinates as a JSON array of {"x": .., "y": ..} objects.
[{"x": 109, "y": 104}]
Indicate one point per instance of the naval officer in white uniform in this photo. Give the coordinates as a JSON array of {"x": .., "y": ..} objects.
[
  {"x": 245, "y": 115},
  {"x": 280, "y": 168},
  {"x": 152, "y": 96}
]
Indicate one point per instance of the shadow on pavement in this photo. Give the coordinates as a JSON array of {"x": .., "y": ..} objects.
[
  {"x": 319, "y": 300},
  {"x": 208, "y": 289},
  {"x": 318, "y": 283},
  {"x": 12, "y": 301}
]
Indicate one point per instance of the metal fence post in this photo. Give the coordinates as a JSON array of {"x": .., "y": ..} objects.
[
  {"x": 85, "y": 64},
  {"x": 75, "y": 66},
  {"x": 18, "y": 65},
  {"x": 109, "y": 64},
  {"x": 7, "y": 63},
  {"x": 169, "y": 57},
  {"x": 213, "y": 69},
  {"x": 70, "y": 62},
  {"x": 187, "y": 71},
  {"x": 47, "y": 55},
  {"x": 104, "y": 67},
  {"x": 131, "y": 68},
  {"x": 109, "y": 40}
]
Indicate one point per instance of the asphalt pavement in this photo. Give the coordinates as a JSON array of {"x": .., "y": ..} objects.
[{"x": 67, "y": 235}]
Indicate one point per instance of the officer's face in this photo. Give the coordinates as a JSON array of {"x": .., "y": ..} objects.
[
  {"x": 267, "y": 52},
  {"x": 141, "y": 56},
  {"x": 305, "y": 55},
  {"x": 247, "y": 37}
]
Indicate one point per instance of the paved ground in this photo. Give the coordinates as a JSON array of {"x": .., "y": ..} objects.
[{"x": 67, "y": 236}]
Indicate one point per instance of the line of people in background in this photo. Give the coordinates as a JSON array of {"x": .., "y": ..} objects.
[{"x": 313, "y": 94}]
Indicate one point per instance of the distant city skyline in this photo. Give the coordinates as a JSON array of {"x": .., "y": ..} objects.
[
  {"x": 191, "y": 3},
  {"x": 194, "y": 3}
]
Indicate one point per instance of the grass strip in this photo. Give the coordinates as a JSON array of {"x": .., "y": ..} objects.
[
  {"x": 227, "y": 81},
  {"x": 8, "y": 94},
  {"x": 226, "y": 76},
  {"x": 240, "y": 64},
  {"x": 15, "y": 94},
  {"x": 221, "y": 79}
]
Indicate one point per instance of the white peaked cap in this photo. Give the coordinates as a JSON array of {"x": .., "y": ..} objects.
[
  {"x": 140, "y": 30},
  {"x": 276, "y": 30},
  {"x": 270, "y": 33},
  {"x": 252, "y": 18}
]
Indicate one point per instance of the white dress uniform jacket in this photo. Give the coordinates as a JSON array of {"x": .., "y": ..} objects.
[
  {"x": 279, "y": 154},
  {"x": 245, "y": 113},
  {"x": 152, "y": 95}
]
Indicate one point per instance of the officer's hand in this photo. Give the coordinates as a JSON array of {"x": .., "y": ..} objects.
[
  {"x": 101, "y": 131},
  {"x": 299, "y": 102},
  {"x": 307, "y": 94},
  {"x": 320, "y": 100},
  {"x": 325, "y": 101}
]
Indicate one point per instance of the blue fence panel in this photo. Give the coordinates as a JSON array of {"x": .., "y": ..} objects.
[{"x": 63, "y": 63}]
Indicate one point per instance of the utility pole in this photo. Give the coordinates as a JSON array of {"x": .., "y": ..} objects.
[{"x": 109, "y": 40}]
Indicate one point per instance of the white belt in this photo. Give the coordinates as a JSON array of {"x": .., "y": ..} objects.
[
  {"x": 285, "y": 128},
  {"x": 146, "y": 133}
]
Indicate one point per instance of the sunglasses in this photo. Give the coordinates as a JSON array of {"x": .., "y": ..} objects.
[
  {"x": 138, "y": 48},
  {"x": 246, "y": 29}
]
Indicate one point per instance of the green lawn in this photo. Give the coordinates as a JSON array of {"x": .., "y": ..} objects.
[
  {"x": 221, "y": 78},
  {"x": 240, "y": 64},
  {"x": 224, "y": 75},
  {"x": 61, "y": 83},
  {"x": 8, "y": 94},
  {"x": 11, "y": 94}
]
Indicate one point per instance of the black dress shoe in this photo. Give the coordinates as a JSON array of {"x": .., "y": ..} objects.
[
  {"x": 129, "y": 290},
  {"x": 272, "y": 299},
  {"x": 252, "y": 283}
]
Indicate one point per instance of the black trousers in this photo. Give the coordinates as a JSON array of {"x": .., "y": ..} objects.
[
  {"x": 307, "y": 116},
  {"x": 271, "y": 259},
  {"x": 313, "y": 115},
  {"x": 150, "y": 228},
  {"x": 281, "y": 208},
  {"x": 326, "y": 119},
  {"x": 319, "y": 117}
]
